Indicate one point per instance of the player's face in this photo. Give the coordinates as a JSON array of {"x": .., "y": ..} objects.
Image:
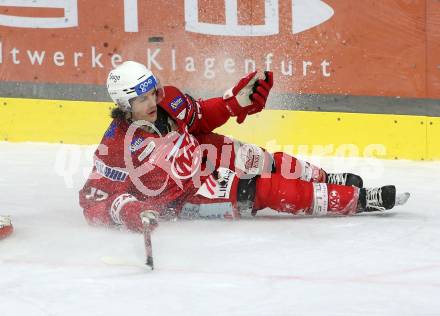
[{"x": 144, "y": 107}]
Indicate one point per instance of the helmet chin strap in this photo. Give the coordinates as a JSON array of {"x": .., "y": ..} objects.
[{"x": 161, "y": 124}]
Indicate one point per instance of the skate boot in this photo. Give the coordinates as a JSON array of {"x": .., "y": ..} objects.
[
  {"x": 6, "y": 227},
  {"x": 380, "y": 199},
  {"x": 348, "y": 179}
]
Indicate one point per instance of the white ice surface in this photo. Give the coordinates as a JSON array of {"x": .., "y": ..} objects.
[{"x": 372, "y": 264}]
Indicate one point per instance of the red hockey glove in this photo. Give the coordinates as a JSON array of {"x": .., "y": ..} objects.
[{"x": 249, "y": 95}]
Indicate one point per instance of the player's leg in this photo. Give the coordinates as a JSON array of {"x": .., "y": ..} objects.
[
  {"x": 297, "y": 196},
  {"x": 251, "y": 159},
  {"x": 303, "y": 170}
]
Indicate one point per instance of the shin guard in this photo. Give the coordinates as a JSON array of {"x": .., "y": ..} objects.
[{"x": 297, "y": 196}]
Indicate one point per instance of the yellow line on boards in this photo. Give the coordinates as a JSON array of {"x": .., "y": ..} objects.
[{"x": 311, "y": 133}]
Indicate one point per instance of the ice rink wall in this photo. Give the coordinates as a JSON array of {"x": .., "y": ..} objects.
[{"x": 352, "y": 77}]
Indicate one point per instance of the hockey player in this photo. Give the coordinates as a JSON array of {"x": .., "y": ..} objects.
[
  {"x": 160, "y": 158},
  {"x": 6, "y": 227}
]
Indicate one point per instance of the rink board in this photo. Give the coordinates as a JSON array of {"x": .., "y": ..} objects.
[{"x": 310, "y": 133}]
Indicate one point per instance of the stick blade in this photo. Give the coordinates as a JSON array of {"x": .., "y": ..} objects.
[{"x": 150, "y": 262}]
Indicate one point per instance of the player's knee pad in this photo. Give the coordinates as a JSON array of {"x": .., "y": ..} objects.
[{"x": 293, "y": 168}]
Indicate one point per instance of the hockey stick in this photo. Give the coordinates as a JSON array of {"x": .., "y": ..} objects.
[
  {"x": 149, "y": 221},
  {"x": 148, "y": 246}
]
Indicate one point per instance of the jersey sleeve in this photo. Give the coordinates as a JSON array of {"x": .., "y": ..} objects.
[
  {"x": 103, "y": 185},
  {"x": 201, "y": 116},
  {"x": 206, "y": 115},
  {"x": 112, "y": 202}
]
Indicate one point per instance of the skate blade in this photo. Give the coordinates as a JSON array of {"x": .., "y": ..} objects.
[{"x": 402, "y": 198}]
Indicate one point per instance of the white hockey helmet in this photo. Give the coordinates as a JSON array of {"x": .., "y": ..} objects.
[{"x": 129, "y": 80}]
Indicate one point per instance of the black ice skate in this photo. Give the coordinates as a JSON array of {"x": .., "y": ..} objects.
[
  {"x": 380, "y": 199},
  {"x": 345, "y": 179}
]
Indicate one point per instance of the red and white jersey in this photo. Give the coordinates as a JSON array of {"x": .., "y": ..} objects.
[{"x": 163, "y": 171}]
